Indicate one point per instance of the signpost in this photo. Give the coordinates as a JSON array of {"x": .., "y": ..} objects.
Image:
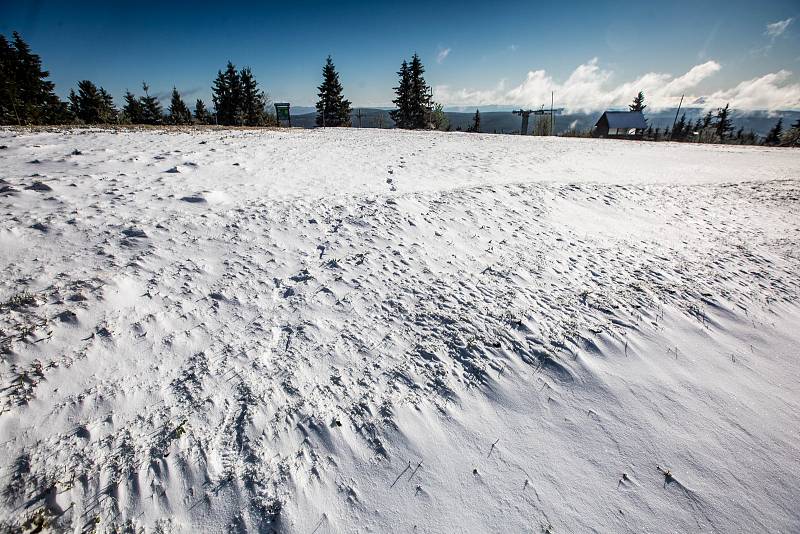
[{"x": 282, "y": 113}]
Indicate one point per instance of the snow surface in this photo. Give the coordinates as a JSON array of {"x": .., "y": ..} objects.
[{"x": 383, "y": 331}]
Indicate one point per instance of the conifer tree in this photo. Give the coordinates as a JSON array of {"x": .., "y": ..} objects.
[
  {"x": 92, "y": 105},
  {"x": 439, "y": 118},
  {"x": 333, "y": 109},
  {"x": 152, "y": 112},
  {"x": 253, "y": 100},
  {"x": 724, "y": 124},
  {"x": 178, "y": 111},
  {"x": 132, "y": 110},
  {"x": 792, "y": 136},
  {"x": 774, "y": 136},
  {"x": 708, "y": 118},
  {"x": 638, "y": 104},
  {"x": 420, "y": 99},
  {"x": 401, "y": 115},
  {"x": 109, "y": 112},
  {"x": 26, "y": 96},
  {"x": 201, "y": 115},
  {"x": 476, "y": 122},
  {"x": 679, "y": 132},
  {"x": 227, "y": 96},
  {"x": 220, "y": 95}
]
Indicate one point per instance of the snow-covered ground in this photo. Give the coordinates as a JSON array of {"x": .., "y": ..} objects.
[{"x": 383, "y": 331}]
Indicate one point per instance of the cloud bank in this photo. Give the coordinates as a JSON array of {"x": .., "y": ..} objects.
[{"x": 590, "y": 88}]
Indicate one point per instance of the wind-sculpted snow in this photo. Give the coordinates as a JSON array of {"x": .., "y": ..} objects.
[{"x": 372, "y": 331}]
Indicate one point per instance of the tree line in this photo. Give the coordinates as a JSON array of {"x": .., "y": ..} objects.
[{"x": 28, "y": 97}]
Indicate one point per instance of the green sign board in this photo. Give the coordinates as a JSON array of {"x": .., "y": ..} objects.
[{"x": 282, "y": 112}]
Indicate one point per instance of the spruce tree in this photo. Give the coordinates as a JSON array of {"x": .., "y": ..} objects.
[
  {"x": 419, "y": 97},
  {"x": 92, "y": 105},
  {"x": 439, "y": 117},
  {"x": 201, "y": 115},
  {"x": 792, "y": 136},
  {"x": 152, "y": 112},
  {"x": 26, "y": 96},
  {"x": 679, "y": 132},
  {"x": 227, "y": 96},
  {"x": 724, "y": 124},
  {"x": 253, "y": 100},
  {"x": 638, "y": 103},
  {"x": 132, "y": 110},
  {"x": 332, "y": 108},
  {"x": 476, "y": 122},
  {"x": 220, "y": 95},
  {"x": 178, "y": 111},
  {"x": 108, "y": 111},
  {"x": 707, "y": 120},
  {"x": 402, "y": 116},
  {"x": 774, "y": 136},
  {"x": 9, "y": 99}
]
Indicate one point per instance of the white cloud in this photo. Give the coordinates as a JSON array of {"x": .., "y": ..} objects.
[
  {"x": 442, "y": 55},
  {"x": 776, "y": 29},
  {"x": 766, "y": 92},
  {"x": 513, "y": 47},
  {"x": 590, "y": 88}
]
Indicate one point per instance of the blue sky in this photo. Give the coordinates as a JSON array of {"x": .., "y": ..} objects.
[{"x": 592, "y": 54}]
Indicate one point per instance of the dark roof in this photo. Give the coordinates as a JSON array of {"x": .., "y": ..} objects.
[{"x": 624, "y": 119}]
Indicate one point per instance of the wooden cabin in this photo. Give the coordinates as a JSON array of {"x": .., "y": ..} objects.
[{"x": 620, "y": 125}]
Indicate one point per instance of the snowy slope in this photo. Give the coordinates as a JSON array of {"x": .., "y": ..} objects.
[{"x": 384, "y": 331}]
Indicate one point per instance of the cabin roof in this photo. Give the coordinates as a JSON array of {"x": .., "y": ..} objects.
[{"x": 624, "y": 119}]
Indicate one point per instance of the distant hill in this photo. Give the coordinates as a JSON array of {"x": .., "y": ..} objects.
[{"x": 506, "y": 122}]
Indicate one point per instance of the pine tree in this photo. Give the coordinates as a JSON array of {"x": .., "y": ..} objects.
[
  {"x": 679, "y": 132},
  {"x": 401, "y": 116},
  {"x": 724, "y": 125},
  {"x": 9, "y": 100},
  {"x": 152, "y": 112},
  {"x": 439, "y": 118},
  {"x": 26, "y": 96},
  {"x": 333, "y": 109},
  {"x": 178, "y": 111},
  {"x": 92, "y": 105},
  {"x": 476, "y": 122},
  {"x": 707, "y": 120},
  {"x": 253, "y": 100},
  {"x": 638, "y": 103},
  {"x": 420, "y": 99},
  {"x": 132, "y": 111},
  {"x": 792, "y": 136},
  {"x": 201, "y": 115},
  {"x": 227, "y": 96},
  {"x": 108, "y": 111},
  {"x": 774, "y": 136}
]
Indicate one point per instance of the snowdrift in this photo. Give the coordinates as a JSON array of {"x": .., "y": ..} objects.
[{"x": 384, "y": 331}]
